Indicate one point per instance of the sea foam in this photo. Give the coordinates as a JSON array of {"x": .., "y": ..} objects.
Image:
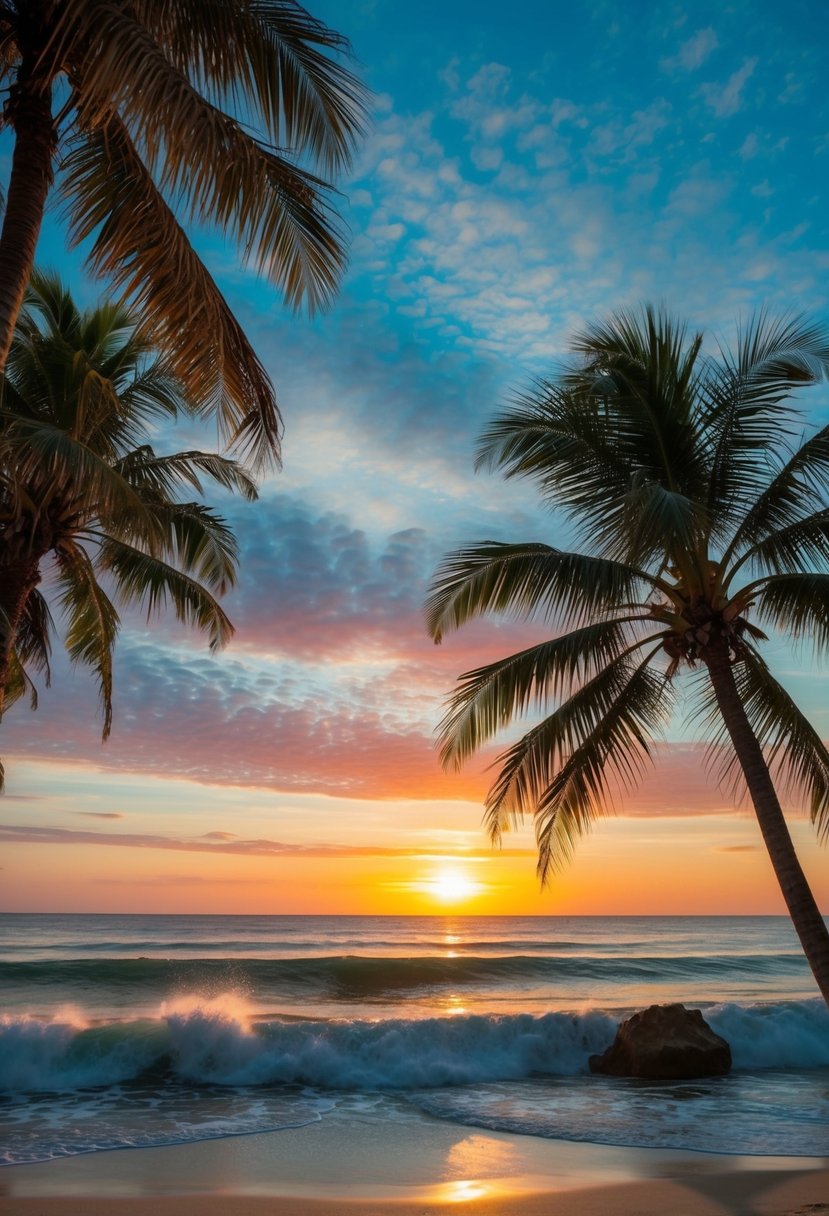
[{"x": 218, "y": 1041}]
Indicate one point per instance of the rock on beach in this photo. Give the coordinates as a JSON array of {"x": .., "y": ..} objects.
[{"x": 665, "y": 1042}]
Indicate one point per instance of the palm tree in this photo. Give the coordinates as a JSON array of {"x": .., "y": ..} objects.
[
  {"x": 87, "y": 504},
  {"x": 209, "y": 110},
  {"x": 703, "y": 516}
]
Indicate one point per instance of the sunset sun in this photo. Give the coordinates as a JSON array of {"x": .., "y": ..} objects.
[{"x": 452, "y": 887}]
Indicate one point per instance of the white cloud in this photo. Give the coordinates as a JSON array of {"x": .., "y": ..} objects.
[
  {"x": 569, "y": 221},
  {"x": 488, "y": 114},
  {"x": 749, "y": 147},
  {"x": 727, "y": 99},
  {"x": 624, "y": 138},
  {"x": 450, "y": 75},
  {"x": 562, "y": 111},
  {"x": 486, "y": 158},
  {"x": 793, "y": 90},
  {"x": 693, "y": 52},
  {"x": 386, "y": 232}
]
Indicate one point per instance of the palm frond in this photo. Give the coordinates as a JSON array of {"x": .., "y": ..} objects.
[
  {"x": 32, "y": 642},
  {"x": 641, "y": 368},
  {"x": 18, "y": 684},
  {"x": 45, "y": 455},
  {"x": 797, "y": 603},
  {"x": 50, "y": 302},
  {"x": 792, "y": 549},
  {"x": 747, "y": 410},
  {"x": 146, "y": 471},
  {"x": 9, "y": 51},
  {"x": 565, "y": 442},
  {"x": 590, "y": 446},
  {"x": 324, "y": 106},
  {"x": 650, "y": 522},
  {"x": 277, "y": 212},
  {"x": 490, "y": 697},
  {"x": 152, "y": 264},
  {"x": 150, "y": 392},
  {"x": 797, "y": 756},
  {"x": 777, "y": 355},
  {"x": 790, "y": 492},
  {"x": 147, "y": 580},
  {"x": 271, "y": 59},
  {"x": 195, "y": 539},
  {"x": 528, "y": 580},
  {"x": 92, "y": 622},
  {"x": 89, "y": 374},
  {"x": 559, "y": 770}
]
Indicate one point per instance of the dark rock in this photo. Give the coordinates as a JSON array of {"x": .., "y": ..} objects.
[{"x": 665, "y": 1042}]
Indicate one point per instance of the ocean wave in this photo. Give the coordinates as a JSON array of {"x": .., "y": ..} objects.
[
  {"x": 218, "y": 1042},
  {"x": 346, "y": 977},
  {"x": 791, "y": 1034},
  {"x": 266, "y": 947}
]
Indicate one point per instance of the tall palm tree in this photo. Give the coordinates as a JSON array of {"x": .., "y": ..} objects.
[
  {"x": 205, "y": 110},
  {"x": 86, "y": 503},
  {"x": 704, "y": 515}
]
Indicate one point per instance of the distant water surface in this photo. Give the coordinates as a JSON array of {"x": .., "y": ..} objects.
[{"x": 137, "y": 1030}]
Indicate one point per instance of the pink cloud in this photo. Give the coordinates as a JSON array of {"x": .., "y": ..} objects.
[{"x": 27, "y": 834}]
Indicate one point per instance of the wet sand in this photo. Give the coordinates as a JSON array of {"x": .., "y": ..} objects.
[{"x": 412, "y": 1168}]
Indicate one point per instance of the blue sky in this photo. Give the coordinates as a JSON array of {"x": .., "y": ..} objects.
[{"x": 528, "y": 167}]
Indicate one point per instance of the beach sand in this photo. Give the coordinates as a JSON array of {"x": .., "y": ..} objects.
[{"x": 412, "y": 1167}]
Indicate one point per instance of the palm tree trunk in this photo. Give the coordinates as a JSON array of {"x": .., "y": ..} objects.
[
  {"x": 29, "y": 111},
  {"x": 806, "y": 916}
]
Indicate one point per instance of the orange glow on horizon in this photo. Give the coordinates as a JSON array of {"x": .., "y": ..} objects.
[{"x": 180, "y": 847}]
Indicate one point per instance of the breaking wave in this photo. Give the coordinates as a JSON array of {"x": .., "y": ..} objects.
[{"x": 219, "y": 1041}]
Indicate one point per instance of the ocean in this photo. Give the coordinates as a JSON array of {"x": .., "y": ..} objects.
[{"x": 131, "y": 1031}]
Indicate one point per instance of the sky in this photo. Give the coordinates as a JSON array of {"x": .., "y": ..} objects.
[{"x": 529, "y": 167}]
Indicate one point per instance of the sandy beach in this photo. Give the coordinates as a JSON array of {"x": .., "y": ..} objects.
[{"x": 413, "y": 1168}]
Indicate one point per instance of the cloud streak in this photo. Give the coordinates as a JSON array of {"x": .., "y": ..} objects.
[{"x": 208, "y": 844}]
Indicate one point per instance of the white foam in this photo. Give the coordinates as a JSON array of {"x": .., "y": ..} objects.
[
  {"x": 216, "y": 1041},
  {"x": 791, "y": 1034},
  {"x": 61, "y": 1053}
]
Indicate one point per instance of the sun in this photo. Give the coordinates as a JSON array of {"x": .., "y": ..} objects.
[{"x": 451, "y": 887}]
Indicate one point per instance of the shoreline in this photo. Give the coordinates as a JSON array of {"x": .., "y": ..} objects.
[{"x": 404, "y": 1167}]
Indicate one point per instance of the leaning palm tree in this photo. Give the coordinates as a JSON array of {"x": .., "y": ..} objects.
[
  {"x": 208, "y": 111},
  {"x": 88, "y": 508},
  {"x": 703, "y": 513}
]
